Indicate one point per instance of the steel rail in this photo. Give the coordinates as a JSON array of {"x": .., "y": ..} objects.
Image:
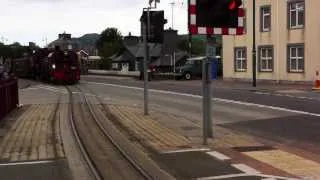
[
  {"x": 132, "y": 162},
  {"x": 92, "y": 167}
]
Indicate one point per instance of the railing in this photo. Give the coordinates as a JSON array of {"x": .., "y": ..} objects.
[{"x": 9, "y": 96}]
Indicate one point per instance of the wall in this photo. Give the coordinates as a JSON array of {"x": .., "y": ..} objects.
[{"x": 279, "y": 36}]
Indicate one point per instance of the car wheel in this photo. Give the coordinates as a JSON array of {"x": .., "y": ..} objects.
[{"x": 187, "y": 76}]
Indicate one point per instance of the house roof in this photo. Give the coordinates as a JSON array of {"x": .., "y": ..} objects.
[
  {"x": 167, "y": 61},
  {"x": 154, "y": 50},
  {"x": 127, "y": 55},
  {"x": 123, "y": 57},
  {"x": 133, "y": 49}
]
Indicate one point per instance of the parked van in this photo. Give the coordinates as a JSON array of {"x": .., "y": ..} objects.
[{"x": 191, "y": 69}]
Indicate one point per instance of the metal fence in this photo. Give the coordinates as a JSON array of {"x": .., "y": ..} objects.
[{"x": 9, "y": 96}]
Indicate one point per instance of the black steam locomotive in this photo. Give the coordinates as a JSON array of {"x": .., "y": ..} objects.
[
  {"x": 49, "y": 65},
  {"x": 58, "y": 63}
]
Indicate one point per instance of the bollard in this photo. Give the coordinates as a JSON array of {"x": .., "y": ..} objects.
[{"x": 206, "y": 100}]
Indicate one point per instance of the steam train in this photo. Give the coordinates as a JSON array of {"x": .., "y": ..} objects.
[{"x": 53, "y": 65}]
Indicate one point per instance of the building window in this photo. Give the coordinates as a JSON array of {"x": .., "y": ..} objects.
[
  {"x": 240, "y": 59},
  {"x": 265, "y": 18},
  {"x": 266, "y": 59},
  {"x": 296, "y": 14},
  {"x": 296, "y": 58}
]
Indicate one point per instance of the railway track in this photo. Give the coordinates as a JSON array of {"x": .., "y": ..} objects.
[{"x": 104, "y": 157}]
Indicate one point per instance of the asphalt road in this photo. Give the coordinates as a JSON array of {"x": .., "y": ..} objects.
[
  {"x": 238, "y": 94},
  {"x": 294, "y": 126}
]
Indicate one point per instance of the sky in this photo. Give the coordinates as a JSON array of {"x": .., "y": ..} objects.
[{"x": 37, "y": 20}]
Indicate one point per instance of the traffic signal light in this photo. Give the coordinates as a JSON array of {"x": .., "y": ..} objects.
[
  {"x": 217, "y": 13},
  {"x": 157, "y": 23}
]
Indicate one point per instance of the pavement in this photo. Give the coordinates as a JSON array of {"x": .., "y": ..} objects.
[
  {"x": 33, "y": 136},
  {"x": 147, "y": 130},
  {"x": 278, "y": 123},
  {"x": 261, "y": 133},
  {"x": 49, "y": 170},
  {"x": 175, "y": 151},
  {"x": 31, "y": 145}
]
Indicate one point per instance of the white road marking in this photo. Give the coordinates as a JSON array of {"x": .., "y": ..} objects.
[
  {"x": 90, "y": 94},
  {"x": 29, "y": 89},
  {"x": 285, "y": 95},
  {"x": 267, "y": 107},
  {"x": 276, "y": 177},
  {"x": 279, "y": 95},
  {"x": 224, "y": 176},
  {"x": 215, "y": 99},
  {"x": 246, "y": 169},
  {"x": 228, "y": 176},
  {"x": 185, "y": 150},
  {"x": 263, "y": 93},
  {"x": 25, "y": 163},
  {"x": 291, "y": 96},
  {"x": 50, "y": 88},
  {"x": 218, "y": 155},
  {"x": 301, "y": 97}
]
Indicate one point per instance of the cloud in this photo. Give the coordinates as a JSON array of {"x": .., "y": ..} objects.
[{"x": 32, "y": 20}]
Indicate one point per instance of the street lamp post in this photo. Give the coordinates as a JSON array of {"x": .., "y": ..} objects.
[{"x": 254, "y": 51}]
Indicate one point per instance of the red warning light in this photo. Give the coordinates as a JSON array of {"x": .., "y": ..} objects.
[{"x": 232, "y": 5}]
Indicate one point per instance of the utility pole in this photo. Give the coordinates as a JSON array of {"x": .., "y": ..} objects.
[
  {"x": 145, "y": 62},
  {"x": 173, "y": 55},
  {"x": 254, "y": 51},
  {"x": 172, "y": 9},
  {"x": 189, "y": 34}
]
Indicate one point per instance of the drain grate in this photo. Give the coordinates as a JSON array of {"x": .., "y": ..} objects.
[{"x": 253, "y": 148}]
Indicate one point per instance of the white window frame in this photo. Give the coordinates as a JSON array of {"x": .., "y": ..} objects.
[
  {"x": 264, "y": 14},
  {"x": 242, "y": 59},
  {"x": 268, "y": 59},
  {"x": 295, "y": 59},
  {"x": 294, "y": 8}
]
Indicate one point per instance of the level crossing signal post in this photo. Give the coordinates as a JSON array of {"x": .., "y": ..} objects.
[{"x": 213, "y": 17}]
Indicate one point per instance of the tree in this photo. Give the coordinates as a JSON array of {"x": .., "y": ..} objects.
[
  {"x": 17, "y": 50},
  {"x": 198, "y": 46},
  {"x": 109, "y": 44},
  {"x": 110, "y": 38},
  {"x": 14, "y": 50}
]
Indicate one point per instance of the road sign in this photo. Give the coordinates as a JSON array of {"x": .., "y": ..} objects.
[{"x": 216, "y": 17}]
